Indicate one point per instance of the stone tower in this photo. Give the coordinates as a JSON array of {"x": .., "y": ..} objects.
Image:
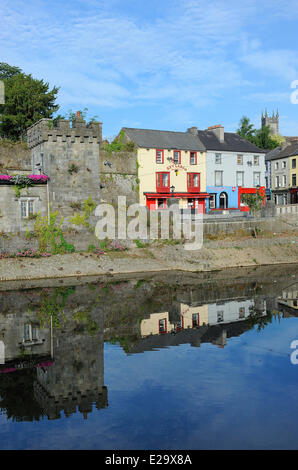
[
  {"x": 272, "y": 122},
  {"x": 68, "y": 153}
]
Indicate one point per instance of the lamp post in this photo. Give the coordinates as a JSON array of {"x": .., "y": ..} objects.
[{"x": 172, "y": 188}]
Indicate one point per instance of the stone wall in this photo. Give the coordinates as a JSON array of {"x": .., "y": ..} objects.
[
  {"x": 15, "y": 157},
  {"x": 11, "y": 220},
  {"x": 119, "y": 176},
  {"x": 70, "y": 157}
]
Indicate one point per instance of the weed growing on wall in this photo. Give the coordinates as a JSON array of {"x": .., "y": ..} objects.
[{"x": 48, "y": 230}]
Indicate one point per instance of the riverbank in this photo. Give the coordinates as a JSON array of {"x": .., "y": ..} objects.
[{"x": 158, "y": 257}]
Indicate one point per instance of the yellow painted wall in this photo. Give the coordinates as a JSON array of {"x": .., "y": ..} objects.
[
  {"x": 150, "y": 326},
  {"x": 187, "y": 311},
  {"x": 148, "y": 168},
  {"x": 293, "y": 171}
]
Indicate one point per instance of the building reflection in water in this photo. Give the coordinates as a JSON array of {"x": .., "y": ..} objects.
[{"x": 54, "y": 338}]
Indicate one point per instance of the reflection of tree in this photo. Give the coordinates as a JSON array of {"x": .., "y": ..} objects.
[
  {"x": 17, "y": 398},
  {"x": 257, "y": 318}
]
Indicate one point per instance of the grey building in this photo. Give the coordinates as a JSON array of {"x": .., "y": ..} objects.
[{"x": 278, "y": 171}]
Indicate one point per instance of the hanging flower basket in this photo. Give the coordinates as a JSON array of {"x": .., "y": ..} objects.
[{"x": 24, "y": 180}]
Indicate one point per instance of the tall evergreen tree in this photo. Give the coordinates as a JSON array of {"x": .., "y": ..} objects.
[{"x": 26, "y": 101}]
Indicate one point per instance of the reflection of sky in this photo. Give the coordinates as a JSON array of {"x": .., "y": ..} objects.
[{"x": 242, "y": 396}]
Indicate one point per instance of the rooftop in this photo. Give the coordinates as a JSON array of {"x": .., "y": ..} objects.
[{"x": 149, "y": 138}]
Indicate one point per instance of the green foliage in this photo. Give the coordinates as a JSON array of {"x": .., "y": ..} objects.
[
  {"x": 20, "y": 182},
  {"x": 259, "y": 137},
  {"x": 26, "y": 101},
  {"x": 53, "y": 306},
  {"x": 84, "y": 317},
  {"x": 73, "y": 168},
  {"x": 246, "y": 129},
  {"x": 117, "y": 144},
  {"x": 139, "y": 244},
  {"x": 83, "y": 219},
  {"x": 253, "y": 201},
  {"x": 7, "y": 71},
  {"x": 47, "y": 230}
]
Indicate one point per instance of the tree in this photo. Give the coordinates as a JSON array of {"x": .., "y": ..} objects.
[
  {"x": 8, "y": 71},
  {"x": 246, "y": 129},
  {"x": 259, "y": 137},
  {"x": 264, "y": 140},
  {"x": 26, "y": 101}
]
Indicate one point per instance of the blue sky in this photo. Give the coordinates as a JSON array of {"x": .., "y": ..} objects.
[{"x": 159, "y": 64}]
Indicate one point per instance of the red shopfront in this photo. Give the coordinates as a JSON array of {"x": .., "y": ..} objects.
[
  {"x": 261, "y": 190},
  {"x": 194, "y": 201}
]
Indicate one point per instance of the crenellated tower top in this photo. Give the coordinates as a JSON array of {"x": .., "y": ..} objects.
[{"x": 49, "y": 130}]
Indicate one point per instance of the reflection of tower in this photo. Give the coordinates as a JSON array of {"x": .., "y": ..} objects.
[
  {"x": 76, "y": 378},
  {"x": 272, "y": 122}
]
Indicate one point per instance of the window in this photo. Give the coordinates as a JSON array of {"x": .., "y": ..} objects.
[
  {"x": 195, "y": 320},
  {"x": 294, "y": 180},
  {"x": 256, "y": 160},
  {"x": 285, "y": 199},
  {"x": 284, "y": 164},
  {"x": 193, "y": 181},
  {"x": 241, "y": 312},
  {"x": 284, "y": 180},
  {"x": 162, "y": 325},
  {"x": 26, "y": 208},
  {"x": 240, "y": 178},
  {"x": 30, "y": 332},
  {"x": 160, "y": 203},
  {"x": 239, "y": 159},
  {"x": 277, "y": 181},
  {"x": 267, "y": 182},
  {"x": 276, "y": 165},
  {"x": 218, "y": 178},
  {"x": 294, "y": 163},
  {"x": 257, "y": 178},
  {"x": 220, "y": 316},
  {"x": 177, "y": 156},
  {"x": 193, "y": 158},
  {"x": 159, "y": 156},
  {"x": 218, "y": 158},
  {"x": 212, "y": 201},
  {"x": 163, "y": 181}
]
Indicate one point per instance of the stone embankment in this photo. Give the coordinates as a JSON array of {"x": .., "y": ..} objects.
[{"x": 160, "y": 257}]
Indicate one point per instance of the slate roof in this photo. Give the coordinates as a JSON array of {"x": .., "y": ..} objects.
[
  {"x": 148, "y": 138},
  {"x": 282, "y": 152},
  {"x": 232, "y": 143}
]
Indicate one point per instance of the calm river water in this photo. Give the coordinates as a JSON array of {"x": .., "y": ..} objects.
[{"x": 159, "y": 362}]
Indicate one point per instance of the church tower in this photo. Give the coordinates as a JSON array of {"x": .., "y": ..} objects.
[{"x": 272, "y": 122}]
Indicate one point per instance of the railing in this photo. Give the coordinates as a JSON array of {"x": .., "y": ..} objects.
[{"x": 286, "y": 209}]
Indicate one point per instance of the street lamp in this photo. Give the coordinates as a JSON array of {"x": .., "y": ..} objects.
[{"x": 172, "y": 188}]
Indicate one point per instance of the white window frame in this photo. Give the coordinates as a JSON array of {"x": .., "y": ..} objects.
[
  {"x": 258, "y": 174},
  {"x": 218, "y": 158},
  {"x": 239, "y": 159},
  {"x": 284, "y": 180},
  {"x": 221, "y": 178},
  {"x": 277, "y": 181},
  {"x": 240, "y": 173},
  {"x": 256, "y": 160},
  {"x": 26, "y": 207}
]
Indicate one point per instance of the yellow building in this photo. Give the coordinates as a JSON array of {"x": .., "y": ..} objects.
[
  {"x": 170, "y": 164},
  {"x": 293, "y": 178},
  {"x": 189, "y": 317}
]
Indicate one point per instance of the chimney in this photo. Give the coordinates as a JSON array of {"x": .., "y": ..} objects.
[
  {"x": 219, "y": 131},
  {"x": 193, "y": 130}
]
